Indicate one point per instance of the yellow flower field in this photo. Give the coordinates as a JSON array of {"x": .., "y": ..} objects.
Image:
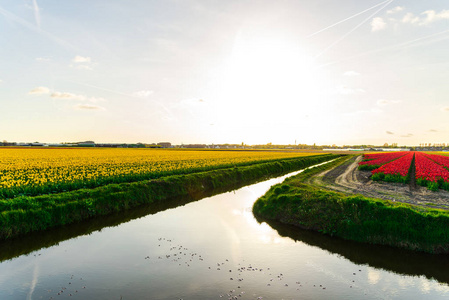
[{"x": 33, "y": 171}]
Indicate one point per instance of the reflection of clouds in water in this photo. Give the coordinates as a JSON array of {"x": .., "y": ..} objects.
[
  {"x": 269, "y": 239},
  {"x": 33, "y": 281},
  {"x": 426, "y": 286},
  {"x": 404, "y": 281},
  {"x": 373, "y": 276},
  {"x": 406, "y": 285}
]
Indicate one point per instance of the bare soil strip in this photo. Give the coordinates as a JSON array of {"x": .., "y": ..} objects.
[{"x": 348, "y": 179}]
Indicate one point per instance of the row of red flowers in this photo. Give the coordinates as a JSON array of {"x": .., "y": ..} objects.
[
  {"x": 373, "y": 161},
  {"x": 429, "y": 173},
  {"x": 431, "y": 170},
  {"x": 396, "y": 171}
]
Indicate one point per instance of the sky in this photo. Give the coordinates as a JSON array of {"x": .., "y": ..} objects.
[{"x": 345, "y": 72}]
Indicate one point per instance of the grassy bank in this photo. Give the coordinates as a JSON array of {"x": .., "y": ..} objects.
[
  {"x": 356, "y": 217},
  {"x": 26, "y": 214}
]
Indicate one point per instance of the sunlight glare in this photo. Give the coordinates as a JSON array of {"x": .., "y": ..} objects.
[{"x": 262, "y": 69}]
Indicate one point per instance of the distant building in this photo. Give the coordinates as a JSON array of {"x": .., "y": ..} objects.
[
  {"x": 86, "y": 144},
  {"x": 164, "y": 144},
  {"x": 36, "y": 144},
  {"x": 195, "y": 146}
]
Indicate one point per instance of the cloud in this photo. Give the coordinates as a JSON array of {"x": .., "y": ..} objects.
[
  {"x": 89, "y": 107},
  {"x": 433, "y": 130},
  {"x": 1, "y": 81},
  {"x": 432, "y": 16},
  {"x": 81, "y": 59},
  {"x": 142, "y": 94},
  {"x": 378, "y": 24},
  {"x": 410, "y": 18},
  {"x": 389, "y": 132},
  {"x": 42, "y": 59},
  {"x": 429, "y": 16},
  {"x": 351, "y": 73},
  {"x": 395, "y": 10},
  {"x": 446, "y": 108},
  {"x": 70, "y": 96},
  {"x": 344, "y": 90},
  {"x": 407, "y": 135},
  {"x": 383, "y": 102},
  {"x": 39, "y": 90},
  {"x": 81, "y": 63}
]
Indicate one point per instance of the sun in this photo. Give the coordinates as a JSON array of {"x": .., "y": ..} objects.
[
  {"x": 269, "y": 81},
  {"x": 262, "y": 69}
]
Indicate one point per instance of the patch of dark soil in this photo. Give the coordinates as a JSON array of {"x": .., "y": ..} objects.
[
  {"x": 331, "y": 175},
  {"x": 363, "y": 176}
]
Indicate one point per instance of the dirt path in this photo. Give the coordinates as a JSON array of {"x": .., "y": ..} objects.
[{"x": 347, "y": 178}]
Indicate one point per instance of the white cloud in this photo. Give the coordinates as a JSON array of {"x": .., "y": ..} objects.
[
  {"x": 89, "y": 107},
  {"x": 395, "y": 10},
  {"x": 82, "y": 63},
  {"x": 410, "y": 18},
  {"x": 351, "y": 73},
  {"x": 39, "y": 90},
  {"x": 42, "y": 59},
  {"x": 389, "y": 132},
  {"x": 1, "y": 81},
  {"x": 432, "y": 16},
  {"x": 445, "y": 108},
  {"x": 69, "y": 96},
  {"x": 81, "y": 59},
  {"x": 407, "y": 135},
  {"x": 378, "y": 24},
  {"x": 429, "y": 16},
  {"x": 143, "y": 94},
  {"x": 383, "y": 102}
]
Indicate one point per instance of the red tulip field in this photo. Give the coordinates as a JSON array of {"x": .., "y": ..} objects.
[{"x": 430, "y": 170}]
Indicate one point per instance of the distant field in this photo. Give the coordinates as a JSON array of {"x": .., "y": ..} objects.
[
  {"x": 439, "y": 153},
  {"x": 31, "y": 171}
]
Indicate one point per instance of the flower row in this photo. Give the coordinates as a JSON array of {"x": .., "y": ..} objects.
[
  {"x": 431, "y": 170},
  {"x": 396, "y": 170},
  {"x": 429, "y": 173},
  {"x": 374, "y": 161}
]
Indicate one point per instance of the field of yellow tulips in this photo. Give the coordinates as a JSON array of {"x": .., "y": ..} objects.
[{"x": 35, "y": 171}]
